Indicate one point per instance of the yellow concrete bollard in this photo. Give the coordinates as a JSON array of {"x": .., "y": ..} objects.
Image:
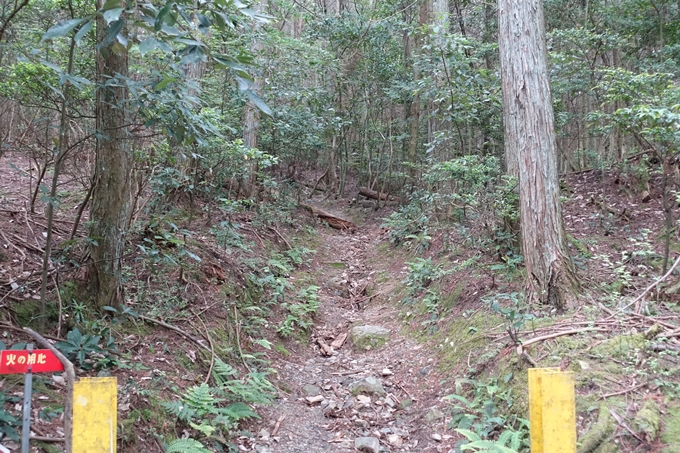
[
  {"x": 94, "y": 415},
  {"x": 552, "y": 411}
]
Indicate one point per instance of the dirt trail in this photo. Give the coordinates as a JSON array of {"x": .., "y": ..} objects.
[{"x": 320, "y": 413}]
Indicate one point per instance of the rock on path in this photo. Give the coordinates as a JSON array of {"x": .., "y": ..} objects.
[{"x": 357, "y": 398}]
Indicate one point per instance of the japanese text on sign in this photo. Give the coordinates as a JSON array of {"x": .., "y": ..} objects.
[{"x": 22, "y": 361}]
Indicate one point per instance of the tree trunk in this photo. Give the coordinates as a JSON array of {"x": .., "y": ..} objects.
[
  {"x": 111, "y": 196},
  {"x": 251, "y": 116},
  {"x": 413, "y": 112},
  {"x": 530, "y": 138}
]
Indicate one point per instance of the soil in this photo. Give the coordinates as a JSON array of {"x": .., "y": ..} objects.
[
  {"x": 407, "y": 370},
  {"x": 615, "y": 240}
]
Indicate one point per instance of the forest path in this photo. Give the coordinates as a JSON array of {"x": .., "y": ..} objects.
[{"x": 320, "y": 413}]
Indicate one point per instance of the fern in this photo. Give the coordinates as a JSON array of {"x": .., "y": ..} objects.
[
  {"x": 201, "y": 399},
  {"x": 179, "y": 410},
  {"x": 186, "y": 446},
  {"x": 198, "y": 401},
  {"x": 254, "y": 388},
  {"x": 238, "y": 411},
  {"x": 222, "y": 372},
  {"x": 215, "y": 411},
  {"x": 477, "y": 444}
]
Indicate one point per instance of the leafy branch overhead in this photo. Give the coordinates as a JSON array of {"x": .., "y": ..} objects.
[{"x": 181, "y": 29}]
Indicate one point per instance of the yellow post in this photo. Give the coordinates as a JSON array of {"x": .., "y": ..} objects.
[
  {"x": 552, "y": 411},
  {"x": 94, "y": 415}
]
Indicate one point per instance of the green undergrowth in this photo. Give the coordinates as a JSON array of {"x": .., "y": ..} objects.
[
  {"x": 244, "y": 300},
  {"x": 476, "y": 339}
]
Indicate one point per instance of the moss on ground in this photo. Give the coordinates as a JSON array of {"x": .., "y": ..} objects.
[
  {"x": 599, "y": 434},
  {"x": 463, "y": 336},
  {"x": 648, "y": 419},
  {"x": 670, "y": 434}
]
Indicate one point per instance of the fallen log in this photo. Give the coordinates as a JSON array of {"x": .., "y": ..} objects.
[
  {"x": 372, "y": 194},
  {"x": 330, "y": 219}
]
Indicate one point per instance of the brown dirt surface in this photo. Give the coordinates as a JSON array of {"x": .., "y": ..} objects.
[{"x": 360, "y": 280}]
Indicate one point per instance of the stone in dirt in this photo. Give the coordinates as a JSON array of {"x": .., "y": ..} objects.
[
  {"x": 367, "y": 444},
  {"x": 369, "y": 385},
  {"x": 314, "y": 399},
  {"x": 395, "y": 440},
  {"x": 369, "y": 337},
  {"x": 311, "y": 390},
  {"x": 433, "y": 415}
]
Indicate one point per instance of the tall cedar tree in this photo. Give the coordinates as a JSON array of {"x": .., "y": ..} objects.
[
  {"x": 531, "y": 152},
  {"x": 111, "y": 197}
]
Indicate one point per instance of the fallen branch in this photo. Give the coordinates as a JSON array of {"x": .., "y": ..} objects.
[
  {"x": 528, "y": 358},
  {"x": 13, "y": 246},
  {"x": 339, "y": 340},
  {"x": 277, "y": 425},
  {"x": 372, "y": 194},
  {"x": 623, "y": 423},
  {"x": 281, "y": 236},
  {"x": 649, "y": 288},
  {"x": 367, "y": 298},
  {"x": 330, "y": 219},
  {"x": 212, "y": 347},
  {"x": 187, "y": 335},
  {"x": 520, "y": 348},
  {"x": 70, "y": 373},
  {"x": 238, "y": 339},
  {"x": 644, "y": 384},
  {"x": 48, "y": 439},
  {"x": 26, "y": 244}
]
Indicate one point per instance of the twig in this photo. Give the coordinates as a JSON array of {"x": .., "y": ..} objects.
[
  {"x": 26, "y": 244},
  {"x": 347, "y": 373},
  {"x": 207, "y": 308},
  {"x": 622, "y": 422},
  {"x": 367, "y": 298},
  {"x": 277, "y": 425},
  {"x": 281, "y": 236},
  {"x": 212, "y": 348},
  {"x": 28, "y": 224},
  {"x": 528, "y": 358},
  {"x": 250, "y": 230},
  {"x": 70, "y": 373},
  {"x": 559, "y": 334},
  {"x": 648, "y": 289},
  {"x": 48, "y": 439},
  {"x": 12, "y": 244},
  {"x": 175, "y": 329},
  {"x": 56, "y": 287},
  {"x": 404, "y": 390},
  {"x": 639, "y": 386},
  {"x": 520, "y": 347},
  {"x": 238, "y": 339}
]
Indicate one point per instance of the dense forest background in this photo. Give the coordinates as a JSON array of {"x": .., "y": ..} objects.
[{"x": 163, "y": 148}]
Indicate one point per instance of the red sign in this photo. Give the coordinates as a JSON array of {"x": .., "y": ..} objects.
[{"x": 21, "y": 361}]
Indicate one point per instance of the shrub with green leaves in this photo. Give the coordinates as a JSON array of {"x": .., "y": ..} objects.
[
  {"x": 9, "y": 424},
  {"x": 482, "y": 412},
  {"x": 300, "y": 312},
  {"x": 214, "y": 412},
  {"x": 86, "y": 349}
]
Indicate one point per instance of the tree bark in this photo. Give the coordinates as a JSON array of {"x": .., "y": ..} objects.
[
  {"x": 111, "y": 197},
  {"x": 530, "y": 141}
]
